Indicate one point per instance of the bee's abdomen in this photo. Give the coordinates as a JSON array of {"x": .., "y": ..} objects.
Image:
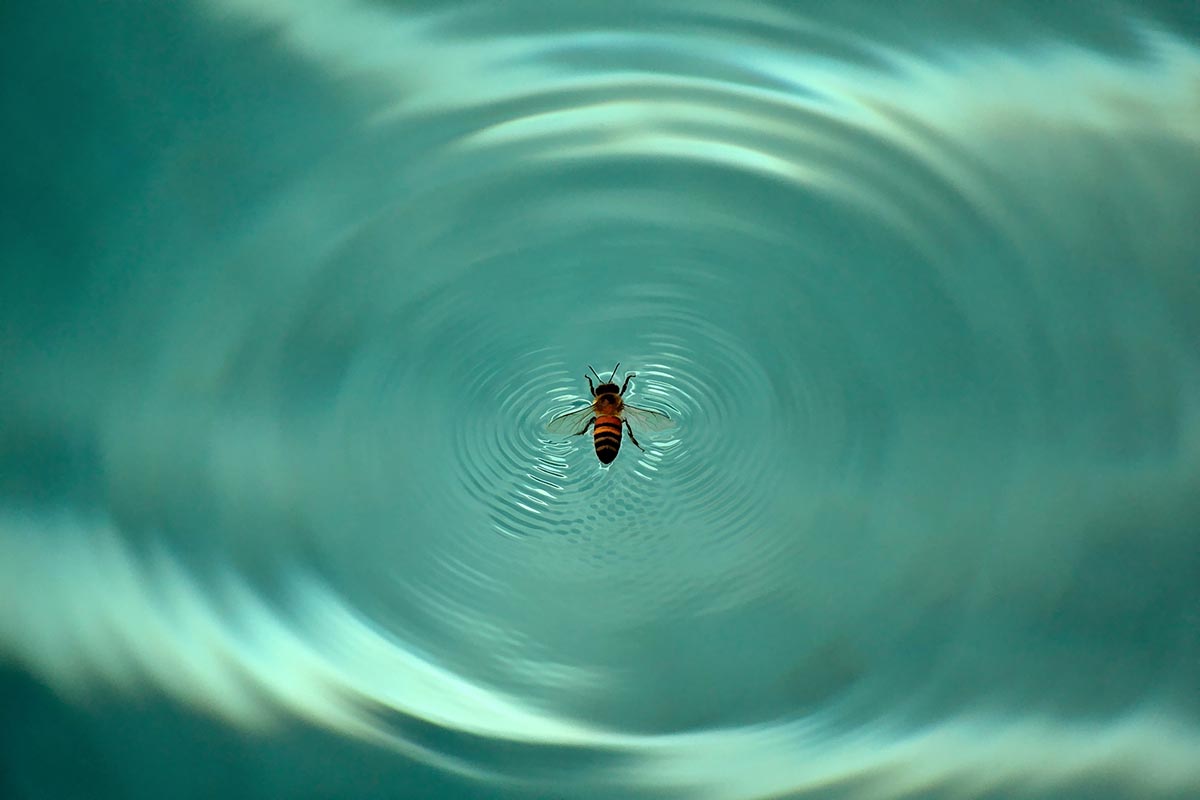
[{"x": 607, "y": 437}]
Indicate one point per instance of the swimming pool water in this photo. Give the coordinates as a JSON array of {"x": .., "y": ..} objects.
[{"x": 291, "y": 290}]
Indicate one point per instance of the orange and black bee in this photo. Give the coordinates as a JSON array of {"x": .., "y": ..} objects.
[{"x": 606, "y": 413}]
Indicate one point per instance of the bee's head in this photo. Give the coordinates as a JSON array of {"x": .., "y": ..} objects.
[{"x": 606, "y": 386}]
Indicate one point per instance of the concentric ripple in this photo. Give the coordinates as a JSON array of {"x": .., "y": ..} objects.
[{"x": 920, "y": 296}]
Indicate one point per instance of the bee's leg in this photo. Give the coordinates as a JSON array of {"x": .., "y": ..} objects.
[
  {"x": 584, "y": 429},
  {"x": 633, "y": 438},
  {"x": 625, "y": 385},
  {"x": 591, "y": 388}
]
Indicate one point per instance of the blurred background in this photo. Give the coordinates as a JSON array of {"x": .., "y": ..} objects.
[{"x": 290, "y": 289}]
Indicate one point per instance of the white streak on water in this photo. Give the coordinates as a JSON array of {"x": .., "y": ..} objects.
[{"x": 106, "y": 617}]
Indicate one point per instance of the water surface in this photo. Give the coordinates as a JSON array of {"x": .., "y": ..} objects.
[{"x": 291, "y": 290}]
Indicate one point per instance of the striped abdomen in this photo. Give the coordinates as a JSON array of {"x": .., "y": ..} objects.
[{"x": 607, "y": 436}]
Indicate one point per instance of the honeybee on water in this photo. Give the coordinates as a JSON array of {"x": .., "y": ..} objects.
[{"x": 605, "y": 416}]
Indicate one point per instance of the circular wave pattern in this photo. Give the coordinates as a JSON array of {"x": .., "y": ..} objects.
[
  {"x": 907, "y": 366},
  {"x": 830, "y": 293}
]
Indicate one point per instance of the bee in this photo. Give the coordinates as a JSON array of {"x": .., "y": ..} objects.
[{"x": 605, "y": 415}]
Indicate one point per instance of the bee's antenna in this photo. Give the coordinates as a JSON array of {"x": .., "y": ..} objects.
[
  {"x": 610, "y": 379},
  {"x": 594, "y": 373}
]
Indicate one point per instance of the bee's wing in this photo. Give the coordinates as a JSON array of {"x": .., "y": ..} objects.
[
  {"x": 572, "y": 422},
  {"x": 647, "y": 420}
]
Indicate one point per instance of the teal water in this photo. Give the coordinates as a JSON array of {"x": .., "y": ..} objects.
[{"x": 291, "y": 289}]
